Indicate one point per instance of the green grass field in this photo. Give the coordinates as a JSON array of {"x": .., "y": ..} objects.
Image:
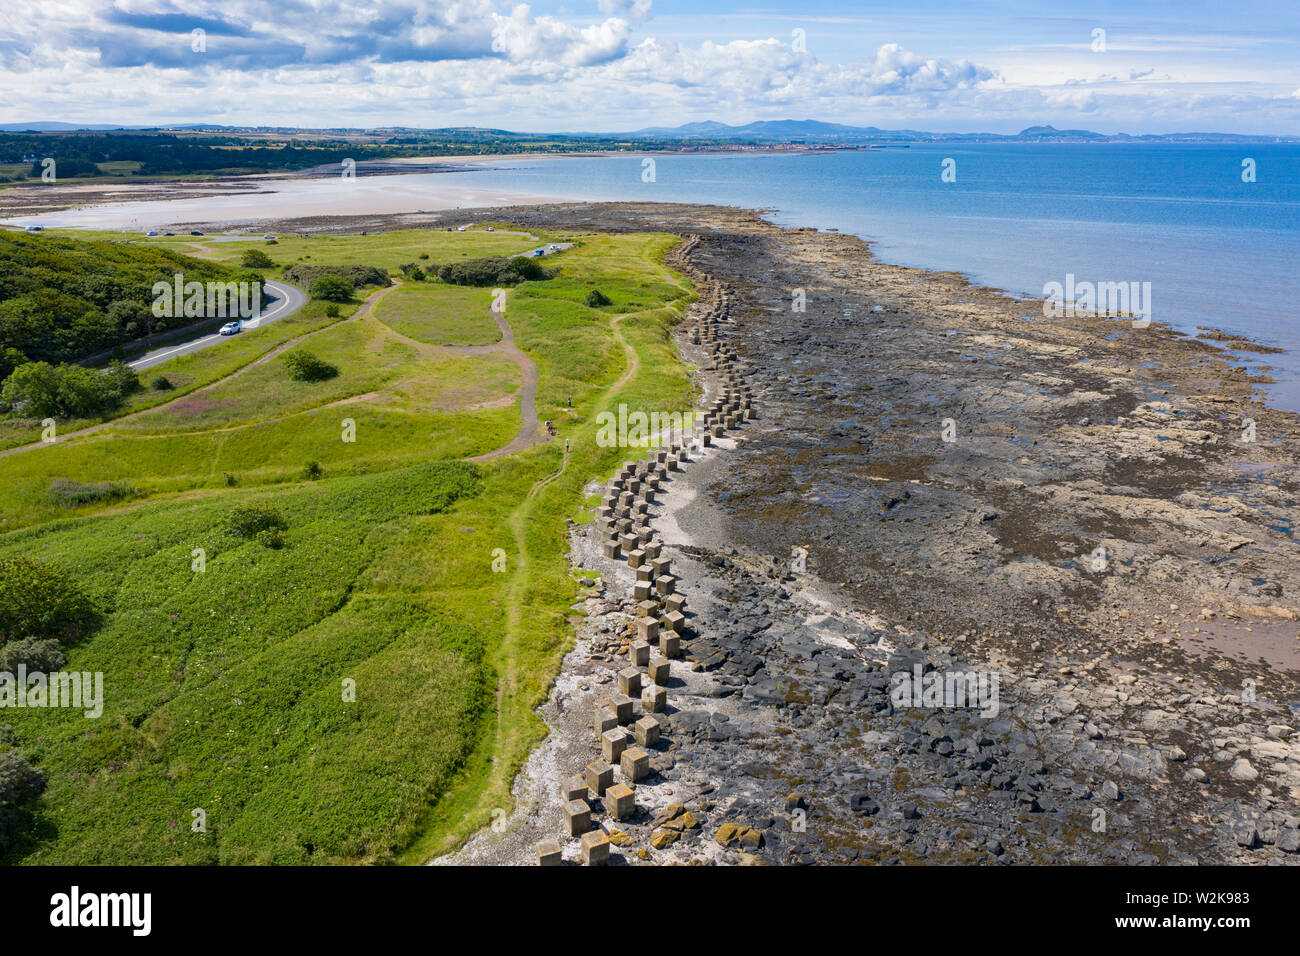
[
  {"x": 440, "y": 314},
  {"x": 224, "y": 687}
]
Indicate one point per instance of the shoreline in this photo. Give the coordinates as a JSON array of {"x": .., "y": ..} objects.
[{"x": 1111, "y": 707}]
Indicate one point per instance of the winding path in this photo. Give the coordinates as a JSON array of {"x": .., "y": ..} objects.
[{"x": 529, "y": 429}]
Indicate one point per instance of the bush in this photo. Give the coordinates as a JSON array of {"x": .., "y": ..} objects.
[
  {"x": 20, "y": 785},
  {"x": 162, "y": 384},
  {"x": 412, "y": 272},
  {"x": 10, "y": 359},
  {"x": 312, "y": 471},
  {"x": 357, "y": 276},
  {"x": 35, "y": 653},
  {"x": 332, "y": 311},
  {"x": 231, "y": 480},
  {"x": 255, "y": 259},
  {"x": 123, "y": 377},
  {"x": 494, "y": 271},
  {"x": 41, "y": 390},
  {"x": 331, "y": 288},
  {"x": 65, "y": 491},
  {"x": 595, "y": 298},
  {"x": 39, "y": 600},
  {"x": 306, "y": 367},
  {"x": 249, "y": 520},
  {"x": 270, "y": 538}
]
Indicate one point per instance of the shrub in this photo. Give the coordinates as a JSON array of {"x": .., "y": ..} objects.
[
  {"x": 412, "y": 272},
  {"x": 35, "y": 653},
  {"x": 595, "y": 298},
  {"x": 332, "y": 311},
  {"x": 41, "y": 390},
  {"x": 123, "y": 377},
  {"x": 20, "y": 785},
  {"x": 255, "y": 259},
  {"x": 65, "y": 491},
  {"x": 162, "y": 384},
  {"x": 357, "y": 276},
  {"x": 331, "y": 288},
  {"x": 494, "y": 271},
  {"x": 39, "y": 600},
  {"x": 270, "y": 538},
  {"x": 231, "y": 480},
  {"x": 312, "y": 471},
  {"x": 248, "y": 520},
  {"x": 306, "y": 367}
]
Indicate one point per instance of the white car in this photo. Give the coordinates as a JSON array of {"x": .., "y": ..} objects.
[
  {"x": 231, "y": 328},
  {"x": 268, "y": 236}
]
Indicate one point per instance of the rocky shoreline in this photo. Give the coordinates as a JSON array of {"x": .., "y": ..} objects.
[{"x": 1100, "y": 535}]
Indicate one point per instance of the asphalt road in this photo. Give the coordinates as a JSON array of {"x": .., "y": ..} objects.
[{"x": 288, "y": 300}]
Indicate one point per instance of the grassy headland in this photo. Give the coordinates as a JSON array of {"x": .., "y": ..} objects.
[{"x": 225, "y": 687}]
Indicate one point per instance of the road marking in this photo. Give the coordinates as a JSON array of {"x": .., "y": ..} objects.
[{"x": 148, "y": 360}]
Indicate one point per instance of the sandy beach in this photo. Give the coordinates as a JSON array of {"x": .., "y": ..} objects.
[{"x": 252, "y": 200}]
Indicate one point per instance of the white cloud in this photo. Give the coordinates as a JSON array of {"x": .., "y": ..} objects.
[
  {"x": 636, "y": 10},
  {"x": 480, "y": 62},
  {"x": 523, "y": 37}
]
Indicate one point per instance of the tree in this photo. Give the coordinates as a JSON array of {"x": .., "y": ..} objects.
[
  {"x": 33, "y": 389},
  {"x": 10, "y": 359},
  {"x": 40, "y": 390},
  {"x": 40, "y": 601},
  {"x": 255, "y": 259},
  {"x": 331, "y": 288}
]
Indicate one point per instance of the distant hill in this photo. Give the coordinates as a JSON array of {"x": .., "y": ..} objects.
[
  {"x": 787, "y": 131},
  {"x": 817, "y": 132},
  {"x": 45, "y": 127}
]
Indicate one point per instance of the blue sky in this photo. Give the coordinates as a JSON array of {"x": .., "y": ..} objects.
[{"x": 624, "y": 64}]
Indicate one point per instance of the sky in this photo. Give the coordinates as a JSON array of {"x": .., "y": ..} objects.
[{"x": 620, "y": 65}]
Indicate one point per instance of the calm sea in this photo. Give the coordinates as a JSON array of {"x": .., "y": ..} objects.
[{"x": 1217, "y": 250}]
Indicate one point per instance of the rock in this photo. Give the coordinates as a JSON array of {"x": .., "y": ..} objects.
[
  {"x": 1110, "y": 790},
  {"x": 733, "y": 834},
  {"x": 1288, "y": 840},
  {"x": 862, "y": 803},
  {"x": 1242, "y": 770},
  {"x": 1246, "y": 836},
  {"x": 662, "y": 838}
]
